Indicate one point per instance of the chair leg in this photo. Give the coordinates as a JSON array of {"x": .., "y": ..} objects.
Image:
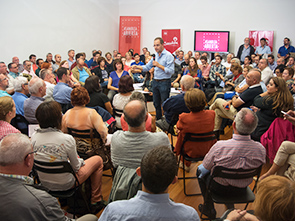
[{"x": 184, "y": 187}]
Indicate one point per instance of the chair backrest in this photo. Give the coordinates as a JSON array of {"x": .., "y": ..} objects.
[
  {"x": 20, "y": 123},
  {"x": 91, "y": 133},
  {"x": 200, "y": 137},
  {"x": 236, "y": 174},
  {"x": 54, "y": 168},
  {"x": 117, "y": 112}
]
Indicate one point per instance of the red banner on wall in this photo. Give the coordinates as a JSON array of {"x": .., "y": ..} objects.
[
  {"x": 255, "y": 37},
  {"x": 171, "y": 39},
  {"x": 129, "y": 35}
]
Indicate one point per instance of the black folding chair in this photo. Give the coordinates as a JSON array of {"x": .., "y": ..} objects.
[
  {"x": 60, "y": 168},
  {"x": 233, "y": 174},
  {"x": 203, "y": 138}
]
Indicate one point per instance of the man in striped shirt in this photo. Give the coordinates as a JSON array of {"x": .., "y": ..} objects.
[{"x": 238, "y": 152}]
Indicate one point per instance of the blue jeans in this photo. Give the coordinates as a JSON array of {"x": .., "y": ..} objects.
[
  {"x": 104, "y": 84},
  {"x": 161, "y": 91},
  {"x": 137, "y": 79}
]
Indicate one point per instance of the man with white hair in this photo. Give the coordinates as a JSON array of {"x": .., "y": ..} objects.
[
  {"x": 48, "y": 78},
  {"x": 28, "y": 68},
  {"x": 20, "y": 95},
  {"x": 175, "y": 105},
  {"x": 245, "y": 50},
  {"x": 17, "y": 189},
  {"x": 238, "y": 152},
  {"x": 266, "y": 72},
  {"x": 37, "y": 88}
]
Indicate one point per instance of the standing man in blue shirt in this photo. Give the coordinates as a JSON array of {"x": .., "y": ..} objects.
[
  {"x": 263, "y": 48},
  {"x": 164, "y": 68},
  {"x": 285, "y": 49}
]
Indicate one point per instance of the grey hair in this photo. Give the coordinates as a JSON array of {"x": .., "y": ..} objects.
[
  {"x": 14, "y": 148},
  {"x": 18, "y": 82},
  {"x": 236, "y": 60},
  {"x": 187, "y": 82},
  {"x": 35, "y": 84},
  {"x": 43, "y": 73},
  {"x": 246, "y": 121}
]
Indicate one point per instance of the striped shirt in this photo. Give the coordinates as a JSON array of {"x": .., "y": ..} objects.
[{"x": 238, "y": 152}]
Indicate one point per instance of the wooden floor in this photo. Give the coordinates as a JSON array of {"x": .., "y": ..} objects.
[{"x": 176, "y": 190}]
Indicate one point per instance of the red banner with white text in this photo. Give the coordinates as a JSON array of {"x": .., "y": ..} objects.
[
  {"x": 171, "y": 39},
  {"x": 129, "y": 34},
  {"x": 255, "y": 37}
]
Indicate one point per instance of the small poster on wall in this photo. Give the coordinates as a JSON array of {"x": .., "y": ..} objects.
[
  {"x": 171, "y": 39},
  {"x": 255, "y": 37},
  {"x": 129, "y": 34}
]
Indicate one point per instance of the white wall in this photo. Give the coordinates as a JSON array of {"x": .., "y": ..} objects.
[
  {"x": 236, "y": 16},
  {"x": 39, "y": 27}
]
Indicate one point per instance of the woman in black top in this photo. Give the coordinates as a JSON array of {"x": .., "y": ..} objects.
[
  {"x": 109, "y": 62},
  {"x": 102, "y": 72},
  {"x": 268, "y": 105},
  {"x": 97, "y": 98}
]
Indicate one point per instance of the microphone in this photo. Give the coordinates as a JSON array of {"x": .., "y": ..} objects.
[{"x": 154, "y": 57}]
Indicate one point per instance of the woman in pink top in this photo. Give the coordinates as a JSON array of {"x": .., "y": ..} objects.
[{"x": 205, "y": 68}]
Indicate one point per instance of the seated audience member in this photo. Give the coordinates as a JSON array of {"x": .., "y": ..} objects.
[
  {"x": 47, "y": 66},
  {"x": 56, "y": 65},
  {"x": 62, "y": 90},
  {"x": 49, "y": 59},
  {"x": 179, "y": 59},
  {"x": 243, "y": 85},
  {"x": 158, "y": 169},
  {"x": 122, "y": 98},
  {"x": 150, "y": 123},
  {"x": 81, "y": 117},
  {"x": 281, "y": 61},
  {"x": 37, "y": 89},
  {"x": 247, "y": 62},
  {"x": 102, "y": 72},
  {"x": 78, "y": 56},
  {"x": 7, "y": 113},
  {"x": 126, "y": 67},
  {"x": 245, "y": 50},
  {"x": 39, "y": 62},
  {"x": 284, "y": 51},
  {"x": 266, "y": 72},
  {"x": 175, "y": 105},
  {"x": 278, "y": 72},
  {"x": 273, "y": 202},
  {"x": 72, "y": 80},
  {"x": 255, "y": 61},
  {"x": 198, "y": 57},
  {"x": 129, "y": 59},
  {"x": 21, "y": 94},
  {"x": 32, "y": 59},
  {"x": 228, "y": 109},
  {"x": 185, "y": 64},
  {"x": 109, "y": 62},
  {"x": 115, "y": 77},
  {"x": 15, "y": 60},
  {"x": 137, "y": 74},
  {"x": 227, "y": 63},
  {"x": 195, "y": 100},
  {"x": 238, "y": 152},
  {"x": 205, "y": 68},
  {"x": 48, "y": 77},
  {"x": 63, "y": 148},
  {"x": 80, "y": 72},
  {"x": 268, "y": 105},
  {"x": 97, "y": 98},
  {"x": 71, "y": 60},
  {"x": 28, "y": 69},
  {"x": 215, "y": 72},
  {"x": 148, "y": 84},
  {"x": 19, "y": 191},
  {"x": 263, "y": 48},
  {"x": 194, "y": 71},
  {"x": 287, "y": 75},
  {"x": 271, "y": 62},
  {"x": 128, "y": 147},
  {"x": 94, "y": 58},
  {"x": 291, "y": 62},
  {"x": 9, "y": 87},
  {"x": 4, "y": 85},
  {"x": 13, "y": 70},
  {"x": 176, "y": 76}
]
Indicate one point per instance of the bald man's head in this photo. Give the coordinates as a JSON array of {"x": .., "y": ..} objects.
[
  {"x": 253, "y": 77},
  {"x": 135, "y": 113}
]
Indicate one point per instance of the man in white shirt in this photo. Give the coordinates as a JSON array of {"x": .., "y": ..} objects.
[{"x": 266, "y": 72}]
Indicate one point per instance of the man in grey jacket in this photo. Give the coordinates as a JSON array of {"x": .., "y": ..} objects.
[{"x": 20, "y": 200}]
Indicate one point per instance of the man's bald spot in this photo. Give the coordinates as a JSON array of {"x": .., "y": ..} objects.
[{"x": 134, "y": 107}]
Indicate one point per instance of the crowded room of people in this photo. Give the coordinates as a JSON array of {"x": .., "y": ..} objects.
[{"x": 155, "y": 110}]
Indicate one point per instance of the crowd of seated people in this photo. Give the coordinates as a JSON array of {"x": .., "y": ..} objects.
[{"x": 264, "y": 86}]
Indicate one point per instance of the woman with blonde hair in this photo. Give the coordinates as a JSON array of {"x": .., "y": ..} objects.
[
  {"x": 268, "y": 105},
  {"x": 7, "y": 113}
]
